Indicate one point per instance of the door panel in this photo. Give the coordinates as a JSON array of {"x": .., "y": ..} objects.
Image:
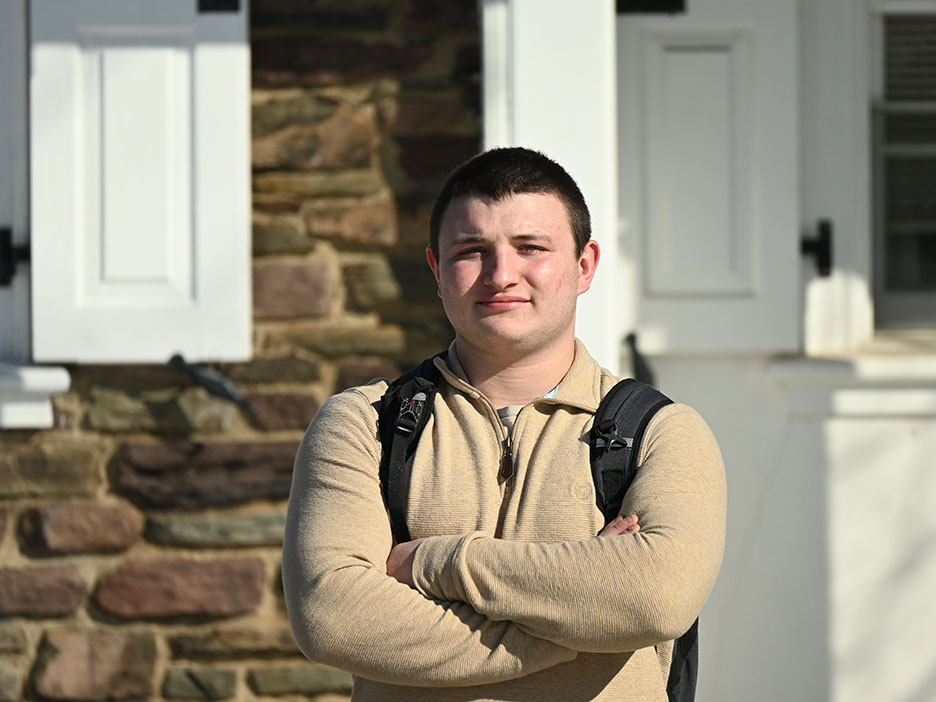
[{"x": 708, "y": 130}]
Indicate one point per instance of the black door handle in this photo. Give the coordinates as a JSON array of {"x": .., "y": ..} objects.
[
  {"x": 820, "y": 246},
  {"x": 9, "y": 256}
]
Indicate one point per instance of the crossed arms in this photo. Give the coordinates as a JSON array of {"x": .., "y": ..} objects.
[{"x": 474, "y": 617}]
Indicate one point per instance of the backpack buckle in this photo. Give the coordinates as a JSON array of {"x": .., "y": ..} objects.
[
  {"x": 607, "y": 438},
  {"x": 410, "y": 411}
]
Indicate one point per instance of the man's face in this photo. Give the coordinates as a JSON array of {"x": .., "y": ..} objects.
[{"x": 508, "y": 274}]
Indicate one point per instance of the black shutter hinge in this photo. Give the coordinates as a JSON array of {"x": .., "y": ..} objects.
[
  {"x": 218, "y": 6},
  {"x": 820, "y": 246},
  {"x": 672, "y": 7},
  {"x": 9, "y": 256}
]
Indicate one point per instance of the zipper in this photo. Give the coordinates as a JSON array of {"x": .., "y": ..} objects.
[
  {"x": 505, "y": 476},
  {"x": 506, "y": 473}
]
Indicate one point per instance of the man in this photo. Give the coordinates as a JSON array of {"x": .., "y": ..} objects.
[{"x": 503, "y": 593}]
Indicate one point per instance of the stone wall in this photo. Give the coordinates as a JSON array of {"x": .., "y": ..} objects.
[{"x": 140, "y": 538}]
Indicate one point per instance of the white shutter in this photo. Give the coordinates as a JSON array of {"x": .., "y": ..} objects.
[
  {"x": 709, "y": 190},
  {"x": 140, "y": 193},
  {"x": 549, "y": 84}
]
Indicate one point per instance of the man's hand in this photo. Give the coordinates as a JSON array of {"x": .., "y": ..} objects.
[
  {"x": 621, "y": 525},
  {"x": 400, "y": 561}
]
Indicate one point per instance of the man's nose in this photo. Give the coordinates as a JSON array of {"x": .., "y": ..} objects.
[{"x": 500, "y": 269}]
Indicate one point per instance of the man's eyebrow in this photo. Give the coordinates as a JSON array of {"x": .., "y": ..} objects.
[
  {"x": 532, "y": 236},
  {"x": 463, "y": 238},
  {"x": 466, "y": 238}
]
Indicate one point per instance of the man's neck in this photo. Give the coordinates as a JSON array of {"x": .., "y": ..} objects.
[{"x": 507, "y": 380}]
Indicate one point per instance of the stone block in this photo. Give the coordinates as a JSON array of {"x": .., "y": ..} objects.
[
  {"x": 3, "y": 522},
  {"x": 98, "y": 664},
  {"x": 67, "y": 411},
  {"x": 189, "y": 475},
  {"x": 82, "y": 526},
  {"x": 51, "y": 591},
  {"x": 294, "y": 367},
  {"x": 346, "y": 139},
  {"x": 115, "y": 410},
  {"x": 200, "y": 684},
  {"x": 371, "y": 221},
  {"x": 347, "y": 183},
  {"x": 307, "y": 680},
  {"x": 274, "y": 110},
  {"x": 275, "y": 203},
  {"x": 11, "y": 681},
  {"x": 358, "y": 372},
  {"x": 170, "y": 411},
  {"x": 325, "y": 60},
  {"x": 167, "y": 588},
  {"x": 216, "y": 531},
  {"x": 370, "y": 281},
  {"x": 290, "y": 289},
  {"x": 341, "y": 340},
  {"x": 12, "y": 641},
  {"x": 281, "y": 411},
  {"x": 279, "y": 233},
  {"x": 234, "y": 644},
  {"x": 433, "y": 156},
  {"x": 50, "y": 465},
  {"x": 201, "y": 413}
]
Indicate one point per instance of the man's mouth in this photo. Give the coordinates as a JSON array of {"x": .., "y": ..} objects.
[{"x": 502, "y": 304}]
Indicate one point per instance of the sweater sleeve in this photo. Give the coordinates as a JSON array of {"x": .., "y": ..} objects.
[
  {"x": 344, "y": 609},
  {"x": 606, "y": 594}
]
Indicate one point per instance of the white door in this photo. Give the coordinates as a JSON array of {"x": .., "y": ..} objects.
[
  {"x": 709, "y": 176},
  {"x": 140, "y": 193}
]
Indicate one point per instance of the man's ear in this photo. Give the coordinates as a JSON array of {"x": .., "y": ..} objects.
[
  {"x": 588, "y": 264},
  {"x": 433, "y": 264}
]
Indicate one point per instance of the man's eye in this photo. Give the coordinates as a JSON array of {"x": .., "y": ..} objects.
[
  {"x": 468, "y": 253},
  {"x": 531, "y": 248}
]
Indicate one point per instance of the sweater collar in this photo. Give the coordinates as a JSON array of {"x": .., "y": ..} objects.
[{"x": 580, "y": 388}]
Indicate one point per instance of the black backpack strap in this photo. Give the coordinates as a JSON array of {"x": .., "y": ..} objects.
[
  {"x": 619, "y": 426},
  {"x": 620, "y": 422},
  {"x": 684, "y": 668},
  {"x": 404, "y": 410}
]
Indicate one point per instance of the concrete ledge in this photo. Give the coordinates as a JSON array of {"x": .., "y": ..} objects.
[
  {"x": 26, "y": 395},
  {"x": 871, "y": 385}
]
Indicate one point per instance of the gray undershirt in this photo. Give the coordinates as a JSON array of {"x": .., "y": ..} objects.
[{"x": 508, "y": 415}]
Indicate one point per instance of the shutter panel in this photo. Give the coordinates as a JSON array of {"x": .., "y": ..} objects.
[
  {"x": 549, "y": 84},
  {"x": 140, "y": 192},
  {"x": 709, "y": 175}
]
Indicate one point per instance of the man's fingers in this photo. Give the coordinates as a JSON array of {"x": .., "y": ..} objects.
[{"x": 621, "y": 525}]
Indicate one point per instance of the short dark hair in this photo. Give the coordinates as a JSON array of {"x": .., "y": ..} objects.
[{"x": 502, "y": 172}]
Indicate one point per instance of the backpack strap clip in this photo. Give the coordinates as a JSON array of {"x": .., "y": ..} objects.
[
  {"x": 606, "y": 438},
  {"x": 411, "y": 409}
]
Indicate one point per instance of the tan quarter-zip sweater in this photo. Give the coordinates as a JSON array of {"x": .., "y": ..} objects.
[{"x": 516, "y": 599}]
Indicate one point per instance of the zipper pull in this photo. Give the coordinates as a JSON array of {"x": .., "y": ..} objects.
[{"x": 506, "y": 468}]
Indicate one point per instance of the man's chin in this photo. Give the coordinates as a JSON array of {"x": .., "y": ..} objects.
[{"x": 501, "y": 343}]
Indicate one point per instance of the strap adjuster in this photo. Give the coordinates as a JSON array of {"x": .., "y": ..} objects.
[
  {"x": 410, "y": 412},
  {"x": 607, "y": 438}
]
